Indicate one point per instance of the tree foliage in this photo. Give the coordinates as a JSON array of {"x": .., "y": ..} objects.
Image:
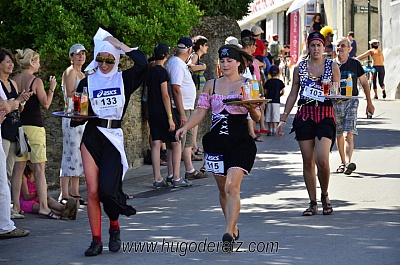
[
  {"x": 236, "y": 9},
  {"x": 52, "y": 26}
]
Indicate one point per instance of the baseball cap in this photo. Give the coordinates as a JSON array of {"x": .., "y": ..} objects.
[
  {"x": 160, "y": 51},
  {"x": 256, "y": 30},
  {"x": 274, "y": 70},
  {"x": 76, "y": 48},
  {"x": 373, "y": 41},
  {"x": 184, "y": 43}
]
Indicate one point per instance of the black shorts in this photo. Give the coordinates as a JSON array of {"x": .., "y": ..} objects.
[
  {"x": 309, "y": 129},
  {"x": 159, "y": 127}
]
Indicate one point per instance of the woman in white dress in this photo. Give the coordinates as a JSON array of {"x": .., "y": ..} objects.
[{"x": 71, "y": 162}]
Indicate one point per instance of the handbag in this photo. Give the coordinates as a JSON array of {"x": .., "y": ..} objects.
[{"x": 23, "y": 146}]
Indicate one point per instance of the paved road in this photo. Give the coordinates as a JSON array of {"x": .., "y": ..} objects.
[{"x": 364, "y": 229}]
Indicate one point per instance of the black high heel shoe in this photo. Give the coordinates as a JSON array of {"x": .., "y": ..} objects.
[{"x": 236, "y": 237}]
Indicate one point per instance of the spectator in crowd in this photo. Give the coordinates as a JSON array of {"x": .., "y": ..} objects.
[
  {"x": 274, "y": 89},
  {"x": 200, "y": 47},
  {"x": 353, "y": 44},
  {"x": 32, "y": 122},
  {"x": 184, "y": 95},
  {"x": 378, "y": 62},
  {"x": 161, "y": 120},
  {"x": 232, "y": 151},
  {"x": 275, "y": 49},
  {"x": 30, "y": 202},
  {"x": 316, "y": 23},
  {"x": 7, "y": 227},
  {"x": 10, "y": 126},
  {"x": 327, "y": 32},
  {"x": 256, "y": 31},
  {"x": 71, "y": 161}
]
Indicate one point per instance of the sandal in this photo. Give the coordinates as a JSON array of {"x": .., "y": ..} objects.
[
  {"x": 326, "y": 205},
  {"x": 50, "y": 215},
  {"x": 257, "y": 139},
  {"x": 199, "y": 152},
  {"x": 341, "y": 168},
  {"x": 350, "y": 167},
  {"x": 312, "y": 209},
  {"x": 63, "y": 201},
  {"x": 80, "y": 199}
]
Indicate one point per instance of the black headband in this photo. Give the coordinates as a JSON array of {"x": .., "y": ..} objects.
[{"x": 228, "y": 52}]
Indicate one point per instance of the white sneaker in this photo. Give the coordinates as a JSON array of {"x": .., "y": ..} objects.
[{"x": 15, "y": 215}]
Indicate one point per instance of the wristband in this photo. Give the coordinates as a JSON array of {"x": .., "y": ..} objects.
[
  {"x": 183, "y": 115},
  {"x": 119, "y": 45},
  {"x": 169, "y": 115},
  {"x": 22, "y": 103},
  {"x": 52, "y": 90},
  {"x": 283, "y": 121}
]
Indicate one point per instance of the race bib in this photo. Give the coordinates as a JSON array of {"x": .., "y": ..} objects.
[
  {"x": 214, "y": 163},
  {"x": 108, "y": 98},
  {"x": 313, "y": 90}
]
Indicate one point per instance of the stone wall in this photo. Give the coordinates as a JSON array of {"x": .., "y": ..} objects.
[{"x": 136, "y": 131}]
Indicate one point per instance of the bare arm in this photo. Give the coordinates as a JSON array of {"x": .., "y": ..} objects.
[
  {"x": 177, "y": 95},
  {"x": 45, "y": 99},
  {"x": 25, "y": 191},
  {"x": 365, "y": 54},
  {"x": 364, "y": 83},
  {"x": 167, "y": 104},
  {"x": 193, "y": 64},
  {"x": 69, "y": 81}
]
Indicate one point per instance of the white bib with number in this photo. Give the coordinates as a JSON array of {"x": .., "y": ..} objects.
[
  {"x": 214, "y": 163},
  {"x": 313, "y": 90},
  {"x": 107, "y": 98}
]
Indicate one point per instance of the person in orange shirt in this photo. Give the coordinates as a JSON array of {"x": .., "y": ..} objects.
[{"x": 378, "y": 63}]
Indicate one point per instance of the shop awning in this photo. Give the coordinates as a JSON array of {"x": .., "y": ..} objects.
[{"x": 297, "y": 4}]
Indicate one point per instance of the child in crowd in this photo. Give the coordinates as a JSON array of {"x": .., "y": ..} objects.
[
  {"x": 274, "y": 89},
  {"x": 29, "y": 200}
]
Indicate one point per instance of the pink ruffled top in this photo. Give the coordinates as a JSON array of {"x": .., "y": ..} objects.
[{"x": 217, "y": 106}]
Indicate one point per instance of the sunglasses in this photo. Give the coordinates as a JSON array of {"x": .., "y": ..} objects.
[
  {"x": 107, "y": 60},
  {"x": 341, "y": 45}
]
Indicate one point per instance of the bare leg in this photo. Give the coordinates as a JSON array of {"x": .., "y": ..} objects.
[
  {"x": 92, "y": 183},
  {"x": 64, "y": 182},
  {"x": 55, "y": 205},
  {"x": 307, "y": 153},
  {"x": 41, "y": 186},
  {"x": 322, "y": 149},
  {"x": 176, "y": 159},
  {"x": 195, "y": 131},
  {"x": 16, "y": 182},
  {"x": 349, "y": 146},
  {"x": 155, "y": 159},
  {"x": 75, "y": 186}
]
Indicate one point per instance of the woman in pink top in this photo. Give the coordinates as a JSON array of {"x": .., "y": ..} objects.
[{"x": 229, "y": 149}]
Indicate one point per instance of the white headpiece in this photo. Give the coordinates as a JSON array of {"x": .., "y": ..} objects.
[{"x": 104, "y": 46}]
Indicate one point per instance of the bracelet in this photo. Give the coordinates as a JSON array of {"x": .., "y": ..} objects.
[
  {"x": 52, "y": 91},
  {"x": 183, "y": 115},
  {"x": 22, "y": 103},
  {"x": 283, "y": 121},
  {"x": 119, "y": 45},
  {"x": 285, "y": 113},
  {"x": 169, "y": 115}
]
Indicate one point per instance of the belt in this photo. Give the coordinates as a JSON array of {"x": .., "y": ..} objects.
[{"x": 107, "y": 123}]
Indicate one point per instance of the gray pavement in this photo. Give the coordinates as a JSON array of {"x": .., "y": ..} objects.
[{"x": 364, "y": 228}]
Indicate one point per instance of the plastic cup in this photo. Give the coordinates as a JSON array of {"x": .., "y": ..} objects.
[
  {"x": 325, "y": 86},
  {"x": 335, "y": 88},
  {"x": 69, "y": 106}
]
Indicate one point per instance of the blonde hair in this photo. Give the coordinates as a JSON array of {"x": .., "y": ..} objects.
[{"x": 25, "y": 57}]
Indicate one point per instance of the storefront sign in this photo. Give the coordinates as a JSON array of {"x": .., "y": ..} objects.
[{"x": 294, "y": 36}]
